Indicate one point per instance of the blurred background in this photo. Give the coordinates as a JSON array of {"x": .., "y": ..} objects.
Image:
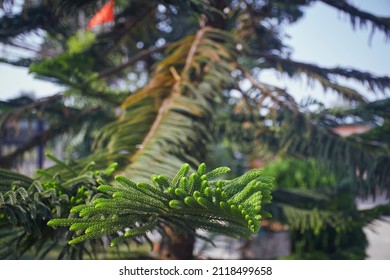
[{"x": 303, "y": 94}]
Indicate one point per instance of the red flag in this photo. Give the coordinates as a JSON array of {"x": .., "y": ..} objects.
[{"x": 106, "y": 14}]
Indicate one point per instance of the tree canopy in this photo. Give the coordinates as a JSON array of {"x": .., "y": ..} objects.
[{"x": 154, "y": 89}]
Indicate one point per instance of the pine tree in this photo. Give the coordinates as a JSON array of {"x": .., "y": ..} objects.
[{"x": 189, "y": 58}]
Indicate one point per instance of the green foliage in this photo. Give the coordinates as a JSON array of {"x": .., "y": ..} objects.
[
  {"x": 322, "y": 217},
  {"x": 299, "y": 174},
  {"x": 75, "y": 69},
  {"x": 188, "y": 201},
  {"x": 334, "y": 231},
  {"x": 330, "y": 243},
  {"x": 80, "y": 42},
  {"x": 27, "y": 205},
  {"x": 167, "y": 122},
  {"x": 194, "y": 56},
  {"x": 10, "y": 178}
]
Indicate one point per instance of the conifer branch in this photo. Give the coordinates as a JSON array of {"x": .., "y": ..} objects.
[
  {"x": 382, "y": 23},
  {"x": 196, "y": 201},
  {"x": 27, "y": 204},
  {"x": 327, "y": 77},
  {"x": 45, "y": 136}
]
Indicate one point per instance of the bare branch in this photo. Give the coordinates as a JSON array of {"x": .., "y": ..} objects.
[{"x": 139, "y": 56}]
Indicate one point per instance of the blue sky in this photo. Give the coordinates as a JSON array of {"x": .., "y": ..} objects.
[
  {"x": 352, "y": 48},
  {"x": 312, "y": 40}
]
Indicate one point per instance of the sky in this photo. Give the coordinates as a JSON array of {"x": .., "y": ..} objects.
[{"x": 312, "y": 40}]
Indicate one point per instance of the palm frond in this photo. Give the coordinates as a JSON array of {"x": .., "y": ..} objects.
[{"x": 166, "y": 122}]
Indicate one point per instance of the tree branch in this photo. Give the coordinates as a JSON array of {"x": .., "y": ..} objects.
[
  {"x": 141, "y": 55},
  {"x": 268, "y": 92},
  {"x": 382, "y": 23},
  {"x": 326, "y": 76},
  {"x": 14, "y": 116},
  {"x": 42, "y": 138}
]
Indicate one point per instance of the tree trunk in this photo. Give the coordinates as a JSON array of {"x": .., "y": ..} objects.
[{"x": 176, "y": 246}]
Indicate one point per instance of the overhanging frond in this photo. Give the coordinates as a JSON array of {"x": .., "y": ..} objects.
[
  {"x": 327, "y": 77},
  {"x": 166, "y": 122},
  {"x": 360, "y": 17}
]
